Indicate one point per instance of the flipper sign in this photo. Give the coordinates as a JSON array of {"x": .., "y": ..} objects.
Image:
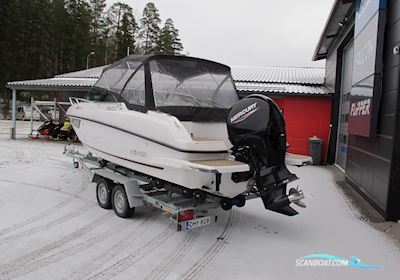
[{"x": 367, "y": 66}]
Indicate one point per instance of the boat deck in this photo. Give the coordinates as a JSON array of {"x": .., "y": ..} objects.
[
  {"x": 201, "y": 139},
  {"x": 218, "y": 162}
]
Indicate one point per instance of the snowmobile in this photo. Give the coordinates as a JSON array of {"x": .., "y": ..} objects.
[{"x": 67, "y": 132}]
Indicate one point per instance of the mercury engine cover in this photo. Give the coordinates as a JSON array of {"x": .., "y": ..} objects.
[{"x": 257, "y": 131}]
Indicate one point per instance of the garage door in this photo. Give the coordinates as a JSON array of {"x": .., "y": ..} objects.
[{"x": 347, "y": 70}]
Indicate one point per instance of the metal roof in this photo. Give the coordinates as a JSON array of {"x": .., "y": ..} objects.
[
  {"x": 248, "y": 79},
  {"x": 269, "y": 74},
  {"x": 286, "y": 75},
  {"x": 93, "y": 73},
  {"x": 279, "y": 88},
  {"x": 70, "y": 84}
]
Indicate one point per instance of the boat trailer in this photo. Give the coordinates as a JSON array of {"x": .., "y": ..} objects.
[{"x": 123, "y": 190}]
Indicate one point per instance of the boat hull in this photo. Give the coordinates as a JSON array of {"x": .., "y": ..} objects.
[{"x": 182, "y": 164}]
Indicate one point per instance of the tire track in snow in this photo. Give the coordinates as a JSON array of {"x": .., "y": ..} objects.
[
  {"x": 22, "y": 158},
  {"x": 15, "y": 165},
  {"x": 110, "y": 253},
  {"x": 46, "y": 226},
  {"x": 46, "y": 212},
  {"x": 73, "y": 250},
  {"x": 49, "y": 189},
  {"x": 136, "y": 256},
  {"x": 215, "y": 249},
  {"x": 28, "y": 155},
  {"x": 35, "y": 218},
  {"x": 162, "y": 270},
  {"x": 57, "y": 244}
]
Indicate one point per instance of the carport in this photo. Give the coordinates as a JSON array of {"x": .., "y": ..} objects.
[{"x": 80, "y": 81}]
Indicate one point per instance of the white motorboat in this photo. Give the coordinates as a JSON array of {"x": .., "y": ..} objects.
[{"x": 179, "y": 121}]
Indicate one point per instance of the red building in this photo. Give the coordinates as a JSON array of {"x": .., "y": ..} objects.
[{"x": 300, "y": 93}]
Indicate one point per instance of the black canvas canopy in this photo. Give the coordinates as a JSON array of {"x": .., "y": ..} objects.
[{"x": 189, "y": 88}]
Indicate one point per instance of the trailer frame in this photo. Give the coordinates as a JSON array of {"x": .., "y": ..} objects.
[{"x": 186, "y": 212}]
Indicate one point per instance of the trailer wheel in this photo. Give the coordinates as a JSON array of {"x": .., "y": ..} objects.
[
  {"x": 102, "y": 163},
  {"x": 120, "y": 202},
  {"x": 199, "y": 195},
  {"x": 241, "y": 200},
  {"x": 103, "y": 194},
  {"x": 76, "y": 164},
  {"x": 226, "y": 204},
  {"x": 187, "y": 193}
]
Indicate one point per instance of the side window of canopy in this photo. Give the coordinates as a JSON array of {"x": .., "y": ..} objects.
[
  {"x": 115, "y": 78},
  {"x": 134, "y": 91},
  {"x": 192, "y": 83}
]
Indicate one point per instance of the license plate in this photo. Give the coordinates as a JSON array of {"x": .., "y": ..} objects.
[{"x": 199, "y": 222}]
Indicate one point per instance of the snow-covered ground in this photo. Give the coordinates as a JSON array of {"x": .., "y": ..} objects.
[{"x": 52, "y": 228}]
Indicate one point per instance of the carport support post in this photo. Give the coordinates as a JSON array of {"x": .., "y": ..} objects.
[
  {"x": 55, "y": 109},
  {"x": 14, "y": 114},
  {"x": 32, "y": 101}
]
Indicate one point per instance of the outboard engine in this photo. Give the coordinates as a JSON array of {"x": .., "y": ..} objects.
[{"x": 257, "y": 131}]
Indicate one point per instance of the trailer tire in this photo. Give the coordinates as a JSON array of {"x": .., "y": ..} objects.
[
  {"x": 200, "y": 196},
  {"x": 120, "y": 202},
  {"x": 242, "y": 200},
  {"x": 103, "y": 193},
  {"x": 226, "y": 204},
  {"x": 186, "y": 193},
  {"x": 102, "y": 163}
]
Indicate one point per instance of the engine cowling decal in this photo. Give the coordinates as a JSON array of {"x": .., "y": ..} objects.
[{"x": 245, "y": 113}]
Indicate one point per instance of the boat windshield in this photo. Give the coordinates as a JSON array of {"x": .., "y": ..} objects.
[
  {"x": 192, "y": 83},
  {"x": 115, "y": 78}
]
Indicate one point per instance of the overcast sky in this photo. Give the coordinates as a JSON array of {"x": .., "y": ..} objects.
[{"x": 252, "y": 32}]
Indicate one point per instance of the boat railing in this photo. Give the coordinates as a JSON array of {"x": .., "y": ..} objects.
[{"x": 77, "y": 100}]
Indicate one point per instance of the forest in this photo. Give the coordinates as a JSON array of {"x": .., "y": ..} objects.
[{"x": 42, "y": 38}]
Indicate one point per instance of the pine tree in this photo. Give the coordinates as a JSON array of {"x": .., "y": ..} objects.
[
  {"x": 120, "y": 30},
  {"x": 150, "y": 29},
  {"x": 31, "y": 46},
  {"x": 41, "y": 38},
  {"x": 10, "y": 20},
  {"x": 106, "y": 39},
  {"x": 97, "y": 24},
  {"x": 79, "y": 20},
  {"x": 169, "y": 42},
  {"x": 125, "y": 38},
  {"x": 61, "y": 31}
]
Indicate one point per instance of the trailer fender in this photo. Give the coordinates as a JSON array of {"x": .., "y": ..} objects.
[
  {"x": 95, "y": 178},
  {"x": 134, "y": 194}
]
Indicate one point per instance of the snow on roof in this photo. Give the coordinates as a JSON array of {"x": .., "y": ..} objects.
[
  {"x": 55, "y": 84},
  {"x": 261, "y": 74},
  {"x": 93, "y": 73},
  {"x": 286, "y": 75},
  {"x": 281, "y": 88}
]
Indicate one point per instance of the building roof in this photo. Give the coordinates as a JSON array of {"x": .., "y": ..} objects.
[
  {"x": 54, "y": 84},
  {"x": 248, "y": 79},
  {"x": 340, "y": 13},
  {"x": 280, "y": 88},
  {"x": 91, "y": 73},
  {"x": 261, "y": 74},
  {"x": 285, "y": 75}
]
